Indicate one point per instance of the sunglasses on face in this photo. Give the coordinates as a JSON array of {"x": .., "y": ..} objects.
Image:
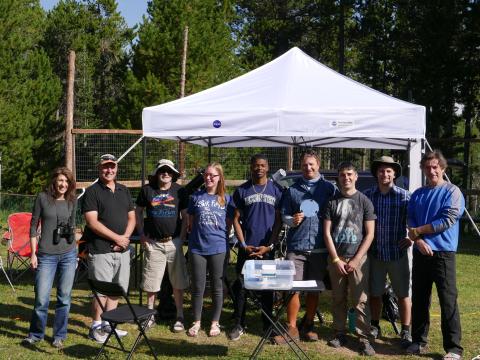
[{"x": 165, "y": 170}]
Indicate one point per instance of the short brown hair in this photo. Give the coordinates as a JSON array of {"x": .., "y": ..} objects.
[
  {"x": 434, "y": 155},
  {"x": 310, "y": 152}
]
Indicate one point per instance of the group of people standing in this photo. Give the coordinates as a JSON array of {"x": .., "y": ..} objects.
[{"x": 354, "y": 238}]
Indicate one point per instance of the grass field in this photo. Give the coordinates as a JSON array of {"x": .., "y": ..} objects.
[{"x": 15, "y": 310}]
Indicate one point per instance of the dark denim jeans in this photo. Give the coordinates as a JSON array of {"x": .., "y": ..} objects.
[
  {"x": 62, "y": 267},
  {"x": 441, "y": 270}
]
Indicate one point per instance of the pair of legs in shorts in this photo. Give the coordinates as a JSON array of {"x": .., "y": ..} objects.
[
  {"x": 308, "y": 266},
  {"x": 399, "y": 273},
  {"x": 111, "y": 267},
  {"x": 159, "y": 256}
]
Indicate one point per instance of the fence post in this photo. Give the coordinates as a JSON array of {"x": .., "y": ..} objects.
[{"x": 69, "y": 114}]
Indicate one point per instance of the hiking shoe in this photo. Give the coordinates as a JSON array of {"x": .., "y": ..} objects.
[
  {"x": 107, "y": 330},
  {"x": 97, "y": 334},
  {"x": 405, "y": 339},
  {"x": 150, "y": 323},
  {"x": 417, "y": 348},
  {"x": 375, "y": 332},
  {"x": 178, "y": 326},
  {"x": 454, "y": 356},
  {"x": 58, "y": 343},
  {"x": 338, "y": 341},
  {"x": 236, "y": 332},
  {"x": 307, "y": 332},
  {"x": 292, "y": 331},
  {"x": 30, "y": 341},
  {"x": 366, "y": 348}
]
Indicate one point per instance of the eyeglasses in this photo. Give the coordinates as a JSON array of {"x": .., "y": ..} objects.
[
  {"x": 211, "y": 176},
  {"x": 165, "y": 170},
  {"x": 108, "y": 157}
]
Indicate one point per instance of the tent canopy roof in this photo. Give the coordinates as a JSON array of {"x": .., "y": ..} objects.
[{"x": 292, "y": 100}]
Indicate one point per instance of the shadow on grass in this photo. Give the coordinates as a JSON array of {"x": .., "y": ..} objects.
[{"x": 163, "y": 348}]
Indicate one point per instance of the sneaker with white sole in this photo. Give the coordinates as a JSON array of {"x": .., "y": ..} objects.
[
  {"x": 107, "y": 329},
  {"x": 178, "y": 326},
  {"x": 97, "y": 334}
]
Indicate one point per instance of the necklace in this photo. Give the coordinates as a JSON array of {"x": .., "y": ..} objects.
[{"x": 263, "y": 190}]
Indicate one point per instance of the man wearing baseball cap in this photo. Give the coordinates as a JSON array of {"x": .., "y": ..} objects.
[
  {"x": 390, "y": 249},
  {"x": 110, "y": 217},
  {"x": 163, "y": 200}
]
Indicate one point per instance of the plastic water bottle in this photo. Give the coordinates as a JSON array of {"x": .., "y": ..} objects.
[{"x": 351, "y": 320}]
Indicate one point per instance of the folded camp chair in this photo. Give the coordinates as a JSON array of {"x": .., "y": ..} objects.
[
  {"x": 128, "y": 313},
  {"x": 19, "y": 249}
]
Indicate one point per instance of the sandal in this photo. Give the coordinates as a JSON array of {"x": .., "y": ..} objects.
[
  {"x": 214, "y": 329},
  {"x": 193, "y": 331}
]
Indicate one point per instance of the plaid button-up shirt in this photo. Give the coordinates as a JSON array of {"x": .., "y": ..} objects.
[{"x": 391, "y": 224}]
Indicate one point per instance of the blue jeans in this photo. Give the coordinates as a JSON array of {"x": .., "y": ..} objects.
[{"x": 62, "y": 267}]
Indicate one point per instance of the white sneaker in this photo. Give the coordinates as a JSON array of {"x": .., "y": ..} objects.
[
  {"x": 97, "y": 334},
  {"x": 107, "y": 329}
]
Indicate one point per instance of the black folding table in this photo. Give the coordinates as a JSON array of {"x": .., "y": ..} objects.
[{"x": 275, "y": 322}]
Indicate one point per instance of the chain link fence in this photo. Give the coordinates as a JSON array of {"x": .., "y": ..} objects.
[{"x": 89, "y": 146}]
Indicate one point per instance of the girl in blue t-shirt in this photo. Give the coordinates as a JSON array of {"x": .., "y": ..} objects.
[{"x": 209, "y": 223}]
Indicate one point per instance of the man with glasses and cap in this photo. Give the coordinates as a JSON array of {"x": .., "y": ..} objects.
[
  {"x": 390, "y": 251},
  {"x": 163, "y": 200},
  {"x": 110, "y": 220}
]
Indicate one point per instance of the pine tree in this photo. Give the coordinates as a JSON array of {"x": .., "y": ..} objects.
[{"x": 29, "y": 93}]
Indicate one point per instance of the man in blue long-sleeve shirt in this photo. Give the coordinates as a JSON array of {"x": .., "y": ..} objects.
[{"x": 433, "y": 219}]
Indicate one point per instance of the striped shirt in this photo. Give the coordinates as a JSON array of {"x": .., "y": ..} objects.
[{"x": 391, "y": 224}]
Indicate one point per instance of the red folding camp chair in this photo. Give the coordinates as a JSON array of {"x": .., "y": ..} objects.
[{"x": 19, "y": 249}]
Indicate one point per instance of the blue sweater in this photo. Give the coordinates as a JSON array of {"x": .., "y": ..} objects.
[{"x": 441, "y": 206}]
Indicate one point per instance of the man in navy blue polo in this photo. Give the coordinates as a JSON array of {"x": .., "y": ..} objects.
[{"x": 256, "y": 219}]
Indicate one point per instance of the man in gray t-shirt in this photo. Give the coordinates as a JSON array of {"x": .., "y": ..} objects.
[{"x": 349, "y": 222}]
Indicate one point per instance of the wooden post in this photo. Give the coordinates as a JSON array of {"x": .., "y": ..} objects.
[
  {"x": 69, "y": 114},
  {"x": 181, "y": 144},
  {"x": 290, "y": 158}
]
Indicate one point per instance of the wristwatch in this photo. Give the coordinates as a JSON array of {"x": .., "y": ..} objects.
[{"x": 271, "y": 246}]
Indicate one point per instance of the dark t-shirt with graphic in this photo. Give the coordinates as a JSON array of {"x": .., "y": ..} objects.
[
  {"x": 257, "y": 204},
  {"x": 163, "y": 208},
  {"x": 347, "y": 214}
]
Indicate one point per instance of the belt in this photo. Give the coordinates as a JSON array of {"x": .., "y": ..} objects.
[{"x": 164, "y": 239}]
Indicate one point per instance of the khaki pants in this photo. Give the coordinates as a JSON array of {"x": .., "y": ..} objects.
[{"x": 353, "y": 286}]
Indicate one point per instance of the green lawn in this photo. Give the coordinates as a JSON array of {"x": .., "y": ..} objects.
[{"x": 15, "y": 310}]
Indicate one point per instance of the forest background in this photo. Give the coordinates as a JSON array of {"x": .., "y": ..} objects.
[{"x": 426, "y": 52}]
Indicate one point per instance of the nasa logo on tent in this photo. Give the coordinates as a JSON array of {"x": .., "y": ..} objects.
[
  {"x": 217, "y": 124},
  {"x": 333, "y": 123}
]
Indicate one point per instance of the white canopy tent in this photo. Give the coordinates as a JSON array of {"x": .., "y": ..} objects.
[{"x": 292, "y": 101}]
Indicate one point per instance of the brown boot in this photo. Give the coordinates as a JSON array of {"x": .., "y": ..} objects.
[
  {"x": 307, "y": 332},
  {"x": 292, "y": 331}
]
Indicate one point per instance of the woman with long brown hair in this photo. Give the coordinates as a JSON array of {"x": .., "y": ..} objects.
[
  {"x": 210, "y": 213},
  {"x": 56, "y": 257}
]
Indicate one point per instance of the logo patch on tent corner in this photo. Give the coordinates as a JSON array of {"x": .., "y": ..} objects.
[{"x": 217, "y": 124}]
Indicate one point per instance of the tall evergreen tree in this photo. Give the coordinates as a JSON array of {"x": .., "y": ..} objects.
[
  {"x": 157, "y": 56},
  {"x": 98, "y": 34},
  {"x": 29, "y": 93}
]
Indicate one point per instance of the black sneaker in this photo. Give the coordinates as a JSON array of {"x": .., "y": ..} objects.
[
  {"x": 235, "y": 333},
  {"x": 405, "y": 339},
  {"x": 338, "y": 341},
  {"x": 366, "y": 348},
  {"x": 416, "y": 348},
  {"x": 375, "y": 331}
]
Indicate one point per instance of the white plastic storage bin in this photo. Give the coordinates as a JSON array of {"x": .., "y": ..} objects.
[{"x": 268, "y": 274}]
